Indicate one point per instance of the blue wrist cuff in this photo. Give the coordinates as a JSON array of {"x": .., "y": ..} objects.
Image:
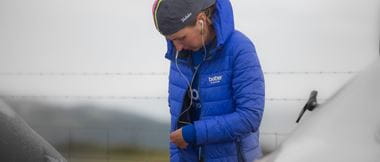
[{"x": 188, "y": 133}]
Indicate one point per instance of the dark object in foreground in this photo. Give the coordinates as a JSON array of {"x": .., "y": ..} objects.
[
  {"x": 20, "y": 143},
  {"x": 310, "y": 104}
]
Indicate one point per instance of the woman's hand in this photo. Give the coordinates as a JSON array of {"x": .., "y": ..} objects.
[{"x": 177, "y": 138}]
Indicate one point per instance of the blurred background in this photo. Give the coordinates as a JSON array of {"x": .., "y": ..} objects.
[{"x": 91, "y": 78}]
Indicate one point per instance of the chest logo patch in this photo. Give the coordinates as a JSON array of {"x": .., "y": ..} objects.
[{"x": 215, "y": 79}]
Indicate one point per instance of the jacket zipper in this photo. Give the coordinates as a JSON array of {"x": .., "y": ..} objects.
[{"x": 240, "y": 154}]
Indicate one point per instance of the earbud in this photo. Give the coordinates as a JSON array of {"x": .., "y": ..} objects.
[{"x": 201, "y": 22}]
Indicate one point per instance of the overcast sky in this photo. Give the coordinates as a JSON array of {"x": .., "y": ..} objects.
[{"x": 78, "y": 47}]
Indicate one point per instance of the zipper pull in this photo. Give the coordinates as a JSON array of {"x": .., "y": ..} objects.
[{"x": 200, "y": 154}]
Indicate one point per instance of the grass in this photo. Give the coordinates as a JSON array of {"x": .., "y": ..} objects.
[{"x": 82, "y": 152}]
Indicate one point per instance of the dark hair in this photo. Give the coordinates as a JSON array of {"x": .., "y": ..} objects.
[{"x": 208, "y": 12}]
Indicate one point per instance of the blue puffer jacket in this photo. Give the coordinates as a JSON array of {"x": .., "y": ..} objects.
[{"x": 231, "y": 89}]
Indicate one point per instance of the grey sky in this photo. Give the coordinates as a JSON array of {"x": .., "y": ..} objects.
[{"x": 115, "y": 36}]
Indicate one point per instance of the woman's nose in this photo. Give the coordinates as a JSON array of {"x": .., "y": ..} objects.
[{"x": 178, "y": 45}]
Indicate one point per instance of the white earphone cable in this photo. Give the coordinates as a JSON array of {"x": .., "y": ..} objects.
[{"x": 190, "y": 84}]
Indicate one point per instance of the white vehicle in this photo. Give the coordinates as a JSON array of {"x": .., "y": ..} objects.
[{"x": 346, "y": 128}]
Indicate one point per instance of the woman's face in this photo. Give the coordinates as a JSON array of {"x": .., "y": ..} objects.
[{"x": 188, "y": 38}]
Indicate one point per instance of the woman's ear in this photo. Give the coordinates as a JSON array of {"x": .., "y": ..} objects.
[
  {"x": 202, "y": 16},
  {"x": 201, "y": 20}
]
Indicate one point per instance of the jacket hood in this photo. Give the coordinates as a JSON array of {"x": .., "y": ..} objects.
[{"x": 223, "y": 22}]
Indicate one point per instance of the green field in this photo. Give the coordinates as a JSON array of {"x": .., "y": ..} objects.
[{"x": 91, "y": 153}]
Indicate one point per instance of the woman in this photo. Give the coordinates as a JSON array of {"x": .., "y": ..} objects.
[{"x": 216, "y": 85}]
